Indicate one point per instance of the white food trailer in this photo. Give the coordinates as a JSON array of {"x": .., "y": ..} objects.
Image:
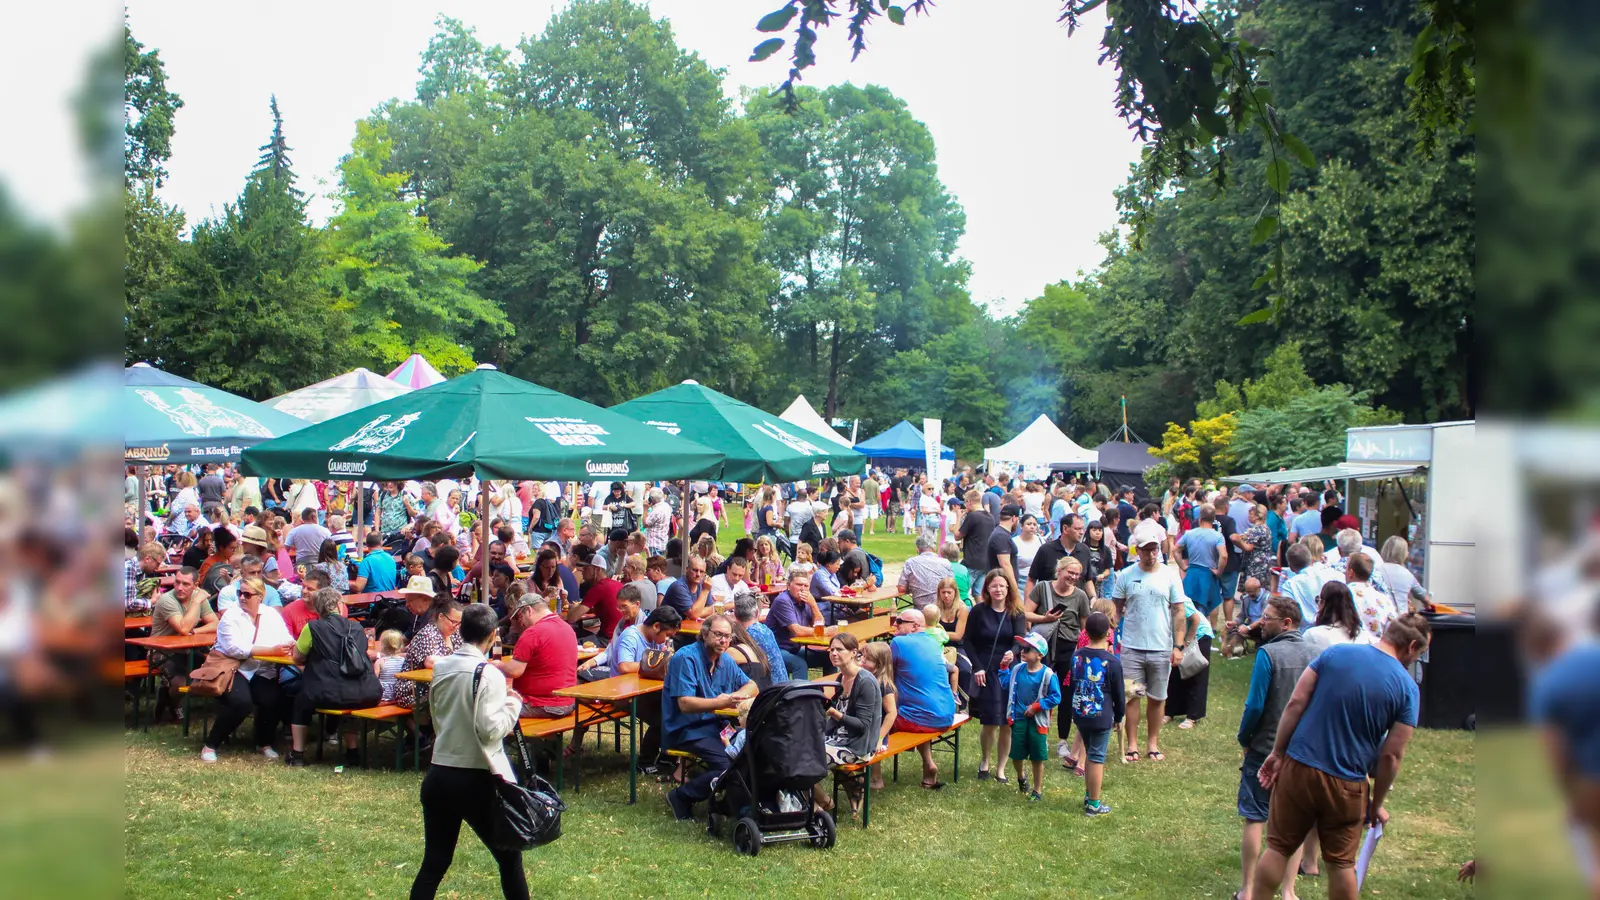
[{"x": 1410, "y": 480}]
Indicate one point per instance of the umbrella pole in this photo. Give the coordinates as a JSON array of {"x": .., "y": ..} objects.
[
  {"x": 483, "y": 540},
  {"x": 361, "y": 528},
  {"x": 138, "y": 519}
]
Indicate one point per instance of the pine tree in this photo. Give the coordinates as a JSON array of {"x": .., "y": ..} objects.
[{"x": 275, "y": 154}]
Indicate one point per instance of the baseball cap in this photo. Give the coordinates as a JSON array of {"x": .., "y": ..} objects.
[
  {"x": 617, "y": 535},
  {"x": 1034, "y": 641},
  {"x": 846, "y": 534},
  {"x": 1010, "y": 511},
  {"x": 1348, "y": 521},
  {"x": 1246, "y": 489},
  {"x": 584, "y": 554},
  {"x": 1148, "y": 532}
]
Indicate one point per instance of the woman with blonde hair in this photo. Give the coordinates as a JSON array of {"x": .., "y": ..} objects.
[
  {"x": 1395, "y": 573},
  {"x": 953, "y": 618},
  {"x": 994, "y": 623},
  {"x": 706, "y": 549},
  {"x": 765, "y": 567},
  {"x": 876, "y": 658}
]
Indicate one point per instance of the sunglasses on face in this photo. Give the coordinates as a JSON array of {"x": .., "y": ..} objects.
[{"x": 246, "y": 595}]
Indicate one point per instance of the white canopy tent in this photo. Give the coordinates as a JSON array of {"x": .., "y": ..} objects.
[
  {"x": 338, "y": 395},
  {"x": 1043, "y": 446},
  {"x": 800, "y": 413}
]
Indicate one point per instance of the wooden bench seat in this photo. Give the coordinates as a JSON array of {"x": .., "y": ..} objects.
[
  {"x": 538, "y": 727},
  {"x": 135, "y": 668},
  {"x": 375, "y": 713},
  {"x": 899, "y": 742}
]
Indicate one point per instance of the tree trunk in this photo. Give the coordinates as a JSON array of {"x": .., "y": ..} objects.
[{"x": 832, "y": 405}]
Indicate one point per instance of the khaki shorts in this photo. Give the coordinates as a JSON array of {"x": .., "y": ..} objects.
[{"x": 1304, "y": 798}]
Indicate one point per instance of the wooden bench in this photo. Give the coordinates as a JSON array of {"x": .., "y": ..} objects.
[
  {"x": 899, "y": 742},
  {"x": 545, "y": 729},
  {"x": 378, "y": 718},
  {"x": 135, "y": 671}
]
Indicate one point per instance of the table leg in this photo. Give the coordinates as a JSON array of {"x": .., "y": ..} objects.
[
  {"x": 577, "y": 749},
  {"x": 956, "y": 737},
  {"x": 188, "y": 656},
  {"x": 633, "y": 749}
]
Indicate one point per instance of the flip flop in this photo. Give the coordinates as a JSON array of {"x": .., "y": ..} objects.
[
  {"x": 936, "y": 785},
  {"x": 1132, "y": 756},
  {"x": 1155, "y": 756},
  {"x": 1186, "y": 724},
  {"x": 1078, "y": 772}
]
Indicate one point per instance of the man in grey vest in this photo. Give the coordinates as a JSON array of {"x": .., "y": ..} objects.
[{"x": 1283, "y": 655}]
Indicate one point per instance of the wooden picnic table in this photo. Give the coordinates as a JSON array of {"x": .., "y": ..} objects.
[
  {"x": 604, "y": 698},
  {"x": 864, "y": 630},
  {"x": 370, "y": 597},
  {"x": 425, "y": 676},
  {"x": 171, "y": 642},
  {"x": 134, "y": 623}
]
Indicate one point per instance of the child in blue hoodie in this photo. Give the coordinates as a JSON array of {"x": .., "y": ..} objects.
[{"x": 1034, "y": 691}]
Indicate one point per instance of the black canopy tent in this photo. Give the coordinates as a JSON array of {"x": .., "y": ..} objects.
[{"x": 1123, "y": 464}]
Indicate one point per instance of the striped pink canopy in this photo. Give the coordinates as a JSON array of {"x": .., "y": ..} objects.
[{"x": 416, "y": 373}]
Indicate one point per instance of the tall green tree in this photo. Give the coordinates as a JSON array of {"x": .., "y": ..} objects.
[
  {"x": 857, "y": 194},
  {"x": 250, "y": 310},
  {"x": 149, "y": 108},
  {"x": 152, "y": 229},
  {"x": 407, "y": 292}
]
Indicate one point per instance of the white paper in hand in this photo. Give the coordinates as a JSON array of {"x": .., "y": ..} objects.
[{"x": 1369, "y": 845}]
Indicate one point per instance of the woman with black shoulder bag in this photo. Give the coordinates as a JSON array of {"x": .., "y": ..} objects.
[{"x": 474, "y": 709}]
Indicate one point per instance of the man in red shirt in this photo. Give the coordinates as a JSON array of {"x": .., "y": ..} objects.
[
  {"x": 544, "y": 661},
  {"x": 297, "y": 614},
  {"x": 598, "y": 598}
]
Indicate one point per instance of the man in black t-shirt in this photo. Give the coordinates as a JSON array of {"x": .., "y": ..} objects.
[
  {"x": 1129, "y": 514},
  {"x": 1069, "y": 543},
  {"x": 974, "y": 536},
  {"x": 1002, "y": 550}
]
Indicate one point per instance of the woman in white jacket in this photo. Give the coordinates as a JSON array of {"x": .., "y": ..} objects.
[{"x": 470, "y": 721}]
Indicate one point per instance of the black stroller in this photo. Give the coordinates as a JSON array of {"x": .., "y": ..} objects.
[{"x": 767, "y": 790}]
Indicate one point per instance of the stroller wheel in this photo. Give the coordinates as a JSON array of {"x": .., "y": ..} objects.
[
  {"x": 823, "y": 831},
  {"x": 714, "y": 825},
  {"x": 747, "y": 837}
]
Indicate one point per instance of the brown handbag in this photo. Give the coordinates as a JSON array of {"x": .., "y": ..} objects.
[
  {"x": 654, "y": 664},
  {"x": 214, "y": 677}
]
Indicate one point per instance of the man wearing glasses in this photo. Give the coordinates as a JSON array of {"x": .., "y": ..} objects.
[{"x": 701, "y": 679}]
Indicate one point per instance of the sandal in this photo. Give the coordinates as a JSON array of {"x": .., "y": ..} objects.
[
  {"x": 1132, "y": 756},
  {"x": 933, "y": 786},
  {"x": 1155, "y": 756},
  {"x": 1186, "y": 724},
  {"x": 1001, "y": 779},
  {"x": 1078, "y": 772}
]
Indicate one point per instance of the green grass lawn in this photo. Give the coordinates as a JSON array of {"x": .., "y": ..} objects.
[
  {"x": 244, "y": 827},
  {"x": 247, "y": 828}
]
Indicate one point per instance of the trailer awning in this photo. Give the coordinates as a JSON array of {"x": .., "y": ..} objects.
[{"x": 1326, "y": 473}]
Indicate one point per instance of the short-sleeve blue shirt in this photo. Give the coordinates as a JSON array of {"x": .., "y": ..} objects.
[
  {"x": 630, "y": 646},
  {"x": 1566, "y": 697},
  {"x": 920, "y": 681},
  {"x": 378, "y": 568},
  {"x": 688, "y": 675},
  {"x": 764, "y": 639},
  {"x": 1200, "y": 546},
  {"x": 783, "y": 613},
  {"x": 1361, "y": 693}
]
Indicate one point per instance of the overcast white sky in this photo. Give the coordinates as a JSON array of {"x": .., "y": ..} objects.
[{"x": 1022, "y": 116}]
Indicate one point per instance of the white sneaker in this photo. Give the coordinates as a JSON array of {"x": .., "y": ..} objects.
[
  {"x": 269, "y": 753},
  {"x": 1062, "y": 750},
  {"x": 208, "y": 755}
]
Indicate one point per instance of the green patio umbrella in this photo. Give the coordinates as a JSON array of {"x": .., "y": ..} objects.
[
  {"x": 168, "y": 419},
  {"x": 760, "y": 447},
  {"x": 487, "y": 423}
]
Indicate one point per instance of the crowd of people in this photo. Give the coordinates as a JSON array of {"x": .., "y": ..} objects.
[{"x": 1030, "y": 602}]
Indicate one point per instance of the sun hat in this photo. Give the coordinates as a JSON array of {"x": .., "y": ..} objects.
[
  {"x": 254, "y": 534},
  {"x": 418, "y": 584}
]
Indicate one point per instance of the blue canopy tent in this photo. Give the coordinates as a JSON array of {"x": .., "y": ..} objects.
[{"x": 903, "y": 444}]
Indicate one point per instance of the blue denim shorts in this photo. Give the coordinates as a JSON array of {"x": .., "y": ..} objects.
[
  {"x": 1254, "y": 800},
  {"x": 1095, "y": 744}
]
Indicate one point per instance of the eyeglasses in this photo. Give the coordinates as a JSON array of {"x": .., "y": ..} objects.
[
  {"x": 721, "y": 635},
  {"x": 453, "y": 620}
]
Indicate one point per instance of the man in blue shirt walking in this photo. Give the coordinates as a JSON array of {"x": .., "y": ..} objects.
[{"x": 1353, "y": 711}]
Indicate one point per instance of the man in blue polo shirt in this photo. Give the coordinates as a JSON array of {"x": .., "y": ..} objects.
[
  {"x": 1310, "y": 519},
  {"x": 377, "y": 571},
  {"x": 1352, "y": 712},
  {"x": 701, "y": 679}
]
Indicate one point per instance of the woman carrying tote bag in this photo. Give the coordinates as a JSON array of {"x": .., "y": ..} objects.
[{"x": 468, "y": 758}]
